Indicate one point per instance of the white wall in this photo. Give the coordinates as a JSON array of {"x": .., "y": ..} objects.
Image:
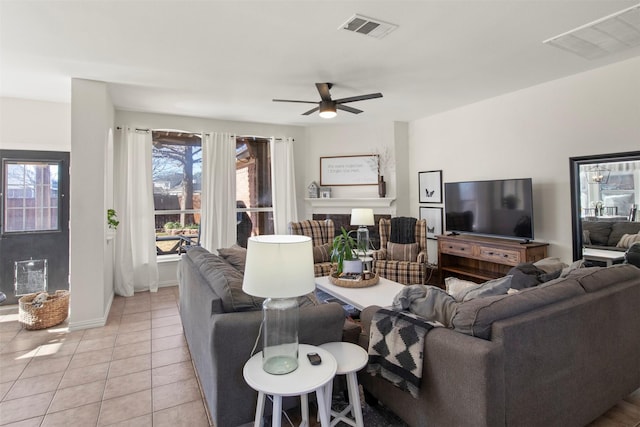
[
  {"x": 532, "y": 133},
  {"x": 346, "y": 140},
  {"x": 92, "y": 116},
  {"x": 34, "y": 125}
]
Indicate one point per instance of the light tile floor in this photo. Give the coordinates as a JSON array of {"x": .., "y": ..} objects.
[{"x": 134, "y": 371}]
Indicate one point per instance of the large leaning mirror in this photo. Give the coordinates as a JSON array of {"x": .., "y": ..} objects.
[{"x": 605, "y": 193}]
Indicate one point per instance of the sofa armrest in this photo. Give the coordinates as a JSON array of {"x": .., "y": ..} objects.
[
  {"x": 462, "y": 380},
  {"x": 422, "y": 257},
  {"x": 232, "y": 337},
  {"x": 380, "y": 254}
]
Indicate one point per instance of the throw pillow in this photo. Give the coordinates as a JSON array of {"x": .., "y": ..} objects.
[
  {"x": 550, "y": 264},
  {"x": 458, "y": 287},
  {"x": 574, "y": 266},
  {"x": 627, "y": 240},
  {"x": 402, "y": 252},
  {"x": 235, "y": 255},
  {"x": 322, "y": 253},
  {"x": 492, "y": 287}
]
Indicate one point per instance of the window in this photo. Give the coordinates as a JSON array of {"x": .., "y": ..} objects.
[
  {"x": 253, "y": 188},
  {"x": 31, "y": 196},
  {"x": 177, "y": 178}
]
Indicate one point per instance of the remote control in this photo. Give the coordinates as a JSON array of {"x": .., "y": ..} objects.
[{"x": 314, "y": 358}]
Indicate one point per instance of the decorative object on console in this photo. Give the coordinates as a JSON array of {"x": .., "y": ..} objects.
[
  {"x": 313, "y": 190},
  {"x": 325, "y": 192},
  {"x": 434, "y": 221},
  {"x": 430, "y": 186},
  {"x": 362, "y": 217},
  {"x": 279, "y": 268},
  {"x": 382, "y": 187}
]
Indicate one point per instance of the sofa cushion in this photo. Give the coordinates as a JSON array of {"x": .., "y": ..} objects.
[
  {"x": 197, "y": 254},
  {"x": 595, "y": 278},
  {"x": 619, "y": 229},
  {"x": 476, "y": 317},
  {"x": 402, "y": 251},
  {"x": 627, "y": 240},
  {"x": 236, "y": 255},
  {"x": 322, "y": 253},
  {"x": 599, "y": 232},
  {"x": 226, "y": 282}
]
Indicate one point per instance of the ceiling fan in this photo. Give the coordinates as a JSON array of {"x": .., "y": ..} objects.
[{"x": 328, "y": 106}]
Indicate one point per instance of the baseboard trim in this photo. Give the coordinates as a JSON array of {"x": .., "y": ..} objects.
[{"x": 93, "y": 323}]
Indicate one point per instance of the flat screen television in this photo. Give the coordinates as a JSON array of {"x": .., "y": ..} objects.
[{"x": 501, "y": 208}]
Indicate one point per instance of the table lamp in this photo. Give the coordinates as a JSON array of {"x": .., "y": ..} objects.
[
  {"x": 362, "y": 218},
  {"x": 279, "y": 268}
]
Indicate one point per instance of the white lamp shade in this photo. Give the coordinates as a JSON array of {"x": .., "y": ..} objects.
[
  {"x": 279, "y": 266},
  {"x": 362, "y": 217}
]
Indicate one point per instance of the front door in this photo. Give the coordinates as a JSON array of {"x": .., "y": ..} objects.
[{"x": 34, "y": 222}]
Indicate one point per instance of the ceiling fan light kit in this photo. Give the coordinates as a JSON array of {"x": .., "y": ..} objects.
[
  {"x": 327, "y": 106},
  {"x": 328, "y": 109}
]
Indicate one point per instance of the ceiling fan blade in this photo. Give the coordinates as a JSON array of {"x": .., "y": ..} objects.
[
  {"x": 323, "y": 90},
  {"x": 313, "y": 110},
  {"x": 359, "y": 98},
  {"x": 292, "y": 100},
  {"x": 349, "y": 109}
]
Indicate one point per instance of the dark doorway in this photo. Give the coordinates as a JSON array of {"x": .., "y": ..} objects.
[{"x": 34, "y": 222}]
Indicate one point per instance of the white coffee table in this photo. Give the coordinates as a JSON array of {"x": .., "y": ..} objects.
[
  {"x": 381, "y": 293},
  {"x": 602, "y": 255},
  {"x": 307, "y": 378}
]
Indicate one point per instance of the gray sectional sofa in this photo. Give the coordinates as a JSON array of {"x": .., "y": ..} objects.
[
  {"x": 558, "y": 354},
  {"x": 607, "y": 234},
  {"x": 221, "y": 324}
]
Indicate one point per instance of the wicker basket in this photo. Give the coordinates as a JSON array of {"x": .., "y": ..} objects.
[
  {"x": 333, "y": 278},
  {"x": 52, "y": 312}
]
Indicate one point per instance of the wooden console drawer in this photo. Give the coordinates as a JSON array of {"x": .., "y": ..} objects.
[
  {"x": 456, "y": 248},
  {"x": 499, "y": 255}
]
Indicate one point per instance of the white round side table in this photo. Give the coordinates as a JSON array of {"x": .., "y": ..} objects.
[
  {"x": 351, "y": 358},
  {"x": 307, "y": 378}
]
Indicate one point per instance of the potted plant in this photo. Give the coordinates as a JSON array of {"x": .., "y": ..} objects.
[
  {"x": 112, "y": 219},
  {"x": 342, "y": 253}
]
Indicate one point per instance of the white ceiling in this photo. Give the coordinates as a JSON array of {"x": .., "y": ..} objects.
[{"x": 228, "y": 59}]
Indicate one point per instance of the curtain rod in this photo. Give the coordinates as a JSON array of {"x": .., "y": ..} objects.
[{"x": 136, "y": 129}]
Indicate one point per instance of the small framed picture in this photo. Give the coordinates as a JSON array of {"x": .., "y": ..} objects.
[
  {"x": 434, "y": 221},
  {"x": 430, "y": 186},
  {"x": 325, "y": 192}
]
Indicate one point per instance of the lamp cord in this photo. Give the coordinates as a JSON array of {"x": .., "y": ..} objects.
[{"x": 255, "y": 344}]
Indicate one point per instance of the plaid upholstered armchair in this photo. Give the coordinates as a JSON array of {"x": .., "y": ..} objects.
[
  {"x": 321, "y": 233},
  {"x": 405, "y": 259}
]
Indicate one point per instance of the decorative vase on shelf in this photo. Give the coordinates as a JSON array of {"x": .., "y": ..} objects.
[{"x": 382, "y": 186}]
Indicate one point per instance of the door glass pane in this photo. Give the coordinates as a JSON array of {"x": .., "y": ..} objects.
[{"x": 30, "y": 196}]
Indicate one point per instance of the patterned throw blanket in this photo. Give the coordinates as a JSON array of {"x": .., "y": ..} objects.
[
  {"x": 396, "y": 345},
  {"x": 403, "y": 230}
]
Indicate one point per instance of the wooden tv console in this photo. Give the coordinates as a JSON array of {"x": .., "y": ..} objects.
[{"x": 481, "y": 258}]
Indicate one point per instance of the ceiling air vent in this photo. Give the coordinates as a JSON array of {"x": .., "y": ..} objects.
[
  {"x": 368, "y": 26},
  {"x": 599, "y": 38}
]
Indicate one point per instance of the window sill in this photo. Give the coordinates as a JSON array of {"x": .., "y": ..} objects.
[{"x": 168, "y": 258}]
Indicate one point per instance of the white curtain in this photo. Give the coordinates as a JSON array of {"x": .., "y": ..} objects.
[
  {"x": 136, "y": 267},
  {"x": 283, "y": 184},
  {"x": 218, "y": 205}
]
